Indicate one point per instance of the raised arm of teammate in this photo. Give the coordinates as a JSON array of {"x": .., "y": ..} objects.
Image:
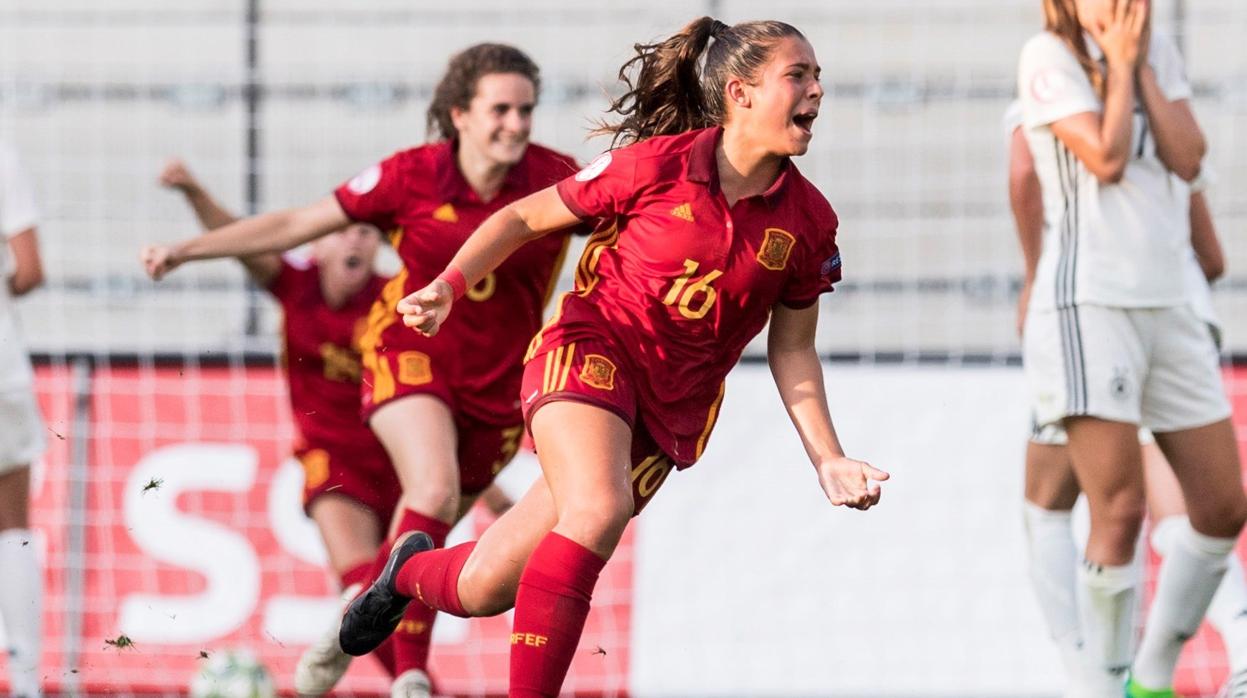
[
  {"x": 263, "y": 268},
  {"x": 798, "y": 374},
  {"x": 1102, "y": 141},
  {"x": 266, "y": 233},
  {"x": 211, "y": 214},
  {"x": 501, "y": 234}
]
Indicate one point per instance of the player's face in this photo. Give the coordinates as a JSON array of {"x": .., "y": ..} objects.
[
  {"x": 350, "y": 253},
  {"x": 1093, "y": 13},
  {"x": 784, "y": 102},
  {"x": 499, "y": 118}
]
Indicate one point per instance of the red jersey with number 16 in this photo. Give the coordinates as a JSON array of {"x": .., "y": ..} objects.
[{"x": 678, "y": 282}]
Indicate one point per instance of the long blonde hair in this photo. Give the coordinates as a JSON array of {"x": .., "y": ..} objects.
[{"x": 1061, "y": 18}]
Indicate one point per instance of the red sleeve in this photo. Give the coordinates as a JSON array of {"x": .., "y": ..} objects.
[
  {"x": 603, "y": 188},
  {"x": 374, "y": 195},
  {"x": 816, "y": 271}
]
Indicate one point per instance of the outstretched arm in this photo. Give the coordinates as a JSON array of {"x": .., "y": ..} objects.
[
  {"x": 268, "y": 232},
  {"x": 211, "y": 214},
  {"x": 263, "y": 268},
  {"x": 798, "y": 374},
  {"x": 496, "y": 239}
]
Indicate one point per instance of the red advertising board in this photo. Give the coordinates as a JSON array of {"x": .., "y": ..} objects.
[{"x": 195, "y": 542}]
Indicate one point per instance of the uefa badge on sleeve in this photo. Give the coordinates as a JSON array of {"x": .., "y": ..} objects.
[
  {"x": 365, "y": 181},
  {"x": 595, "y": 168},
  {"x": 830, "y": 267}
]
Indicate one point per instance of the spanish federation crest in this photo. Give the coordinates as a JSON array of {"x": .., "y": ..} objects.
[
  {"x": 776, "y": 247},
  {"x": 598, "y": 372}
]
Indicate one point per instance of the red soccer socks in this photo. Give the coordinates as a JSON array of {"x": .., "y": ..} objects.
[
  {"x": 550, "y": 610},
  {"x": 412, "y": 637},
  {"x": 433, "y": 578}
]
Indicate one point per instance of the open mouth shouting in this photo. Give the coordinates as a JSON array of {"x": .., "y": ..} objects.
[{"x": 804, "y": 121}]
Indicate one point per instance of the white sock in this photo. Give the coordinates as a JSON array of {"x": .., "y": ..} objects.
[
  {"x": 21, "y": 606},
  {"x": 1189, "y": 576},
  {"x": 1108, "y": 595},
  {"x": 1053, "y": 560},
  {"x": 1228, "y": 611}
]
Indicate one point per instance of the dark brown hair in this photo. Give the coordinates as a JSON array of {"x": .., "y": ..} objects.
[
  {"x": 668, "y": 94},
  {"x": 466, "y": 68},
  {"x": 1061, "y": 18}
]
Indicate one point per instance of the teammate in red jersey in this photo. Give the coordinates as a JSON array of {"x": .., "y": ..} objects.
[
  {"x": 446, "y": 408},
  {"x": 708, "y": 231},
  {"x": 350, "y": 489}
]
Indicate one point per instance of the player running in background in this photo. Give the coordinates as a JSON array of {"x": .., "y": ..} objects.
[
  {"x": 1111, "y": 341},
  {"x": 1052, "y": 489},
  {"x": 21, "y": 432},
  {"x": 446, "y": 408},
  {"x": 708, "y": 231},
  {"x": 350, "y": 489}
]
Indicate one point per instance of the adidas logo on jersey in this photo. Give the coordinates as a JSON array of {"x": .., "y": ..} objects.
[
  {"x": 446, "y": 214},
  {"x": 684, "y": 211}
]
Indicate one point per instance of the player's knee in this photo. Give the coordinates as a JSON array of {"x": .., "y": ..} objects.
[
  {"x": 1220, "y": 518},
  {"x": 1120, "y": 517},
  {"x": 599, "y": 524},
  {"x": 440, "y": 500}
]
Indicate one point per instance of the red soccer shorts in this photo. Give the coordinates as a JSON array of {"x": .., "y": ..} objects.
[
  {"x": 589, "y": 372},
  {"x": 361, "y": 472},
  {"x": 395, "y": 373}
]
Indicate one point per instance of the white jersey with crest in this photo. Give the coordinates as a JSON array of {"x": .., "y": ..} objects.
[
  {"x": 1199, "y": 292},
  {"x": 1117, "y": 245},
  {"x": 17, "y": 214}
]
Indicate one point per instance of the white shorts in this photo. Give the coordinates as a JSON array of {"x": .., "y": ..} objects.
[
  {"x": 1053, "y": 434},
  {"x": 21, "y": 429},
  {"x": 1155, "y": 367}
]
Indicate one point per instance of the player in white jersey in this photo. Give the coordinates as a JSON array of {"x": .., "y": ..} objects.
[
  {"x": 21, "y": 431},
  {"x": 1111, "y": 342},
  {"x": 1052, "y": 489}
]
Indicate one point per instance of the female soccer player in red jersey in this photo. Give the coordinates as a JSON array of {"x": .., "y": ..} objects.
[
  {"x": 708, "y": 231},
  {"x": 350, "y": 489},
  {"x": 446, "y": 408}
]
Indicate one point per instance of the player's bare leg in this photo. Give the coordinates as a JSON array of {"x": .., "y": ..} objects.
[
  {"x": 350, "y": 531},
  {"x": 420, "y": 435},
  {"x": 21, "y": 584},
  {"x": 585, "y": 456},
  {"x": 1051, "y": 490},
  {"x": 1228, "y": 611},
  {"x": 1205, "y": 462},
  {"x": 352, "y": 535},
  {"x": 1109, "y": 467}
]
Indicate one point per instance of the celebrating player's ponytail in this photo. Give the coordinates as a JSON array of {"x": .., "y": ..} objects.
[
  {"x": 667, "y": 94},
  {"x": 1061, "y": 18}
]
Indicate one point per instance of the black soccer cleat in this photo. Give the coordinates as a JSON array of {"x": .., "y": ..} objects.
[{"x": 374, "y": 614}]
